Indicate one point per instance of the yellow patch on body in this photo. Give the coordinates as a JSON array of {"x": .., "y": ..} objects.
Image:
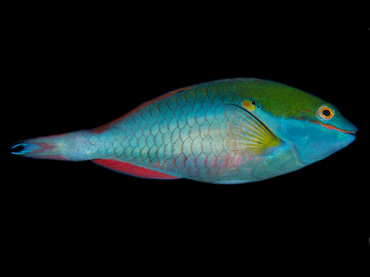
[{"x": 248, "y": 105}]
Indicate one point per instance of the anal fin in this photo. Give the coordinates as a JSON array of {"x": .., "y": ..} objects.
[{"x": 134, "y": 170}]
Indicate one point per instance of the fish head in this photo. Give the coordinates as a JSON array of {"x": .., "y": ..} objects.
[{"x": 317, "y": 133}]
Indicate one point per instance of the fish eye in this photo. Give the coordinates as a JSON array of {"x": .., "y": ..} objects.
[{"x": 325, "y": 112}]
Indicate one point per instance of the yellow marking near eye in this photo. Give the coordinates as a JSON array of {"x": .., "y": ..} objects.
[{"x": 248, "y": 105}]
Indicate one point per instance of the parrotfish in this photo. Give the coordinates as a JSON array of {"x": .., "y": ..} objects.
[{"x": 226, "y": 131}]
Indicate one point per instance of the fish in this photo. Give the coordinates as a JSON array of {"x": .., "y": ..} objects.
[{"x": 228, "y": 131}]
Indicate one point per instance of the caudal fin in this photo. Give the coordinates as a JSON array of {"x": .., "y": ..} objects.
[
  {"x": 73, "y": 146},
  {"x": 50, "y": 147}
]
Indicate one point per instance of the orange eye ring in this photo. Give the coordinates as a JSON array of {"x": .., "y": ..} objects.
[{"x": 325, "y": 113}]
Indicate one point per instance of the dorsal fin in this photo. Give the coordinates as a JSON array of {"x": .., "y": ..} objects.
[
  {"x": 104, "y": 127},
  {"x": 134, "y": 170}
]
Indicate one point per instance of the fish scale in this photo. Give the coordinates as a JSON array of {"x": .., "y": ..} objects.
[{"x": 169, "y": 137}]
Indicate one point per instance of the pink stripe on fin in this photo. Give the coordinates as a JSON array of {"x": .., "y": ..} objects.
[{"x": 134, "y": 170}]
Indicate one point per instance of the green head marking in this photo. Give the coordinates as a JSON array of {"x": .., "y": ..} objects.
[{"x": 282, "y": 100}]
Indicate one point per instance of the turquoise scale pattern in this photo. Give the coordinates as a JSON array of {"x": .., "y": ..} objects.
[{"x": 183, "y": 135}]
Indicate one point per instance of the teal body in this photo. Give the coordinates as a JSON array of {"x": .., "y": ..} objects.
[{"x": 226, "y": 132}]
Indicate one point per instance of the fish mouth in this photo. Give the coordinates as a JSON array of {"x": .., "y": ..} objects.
[
  {"x": 346, "y": 138},
  {"x": 350, "y": 133}
]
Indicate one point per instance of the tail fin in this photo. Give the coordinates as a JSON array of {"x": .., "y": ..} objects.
[
  {"x": 58, "y": 147},
  {"x": 49, "y": 147}
]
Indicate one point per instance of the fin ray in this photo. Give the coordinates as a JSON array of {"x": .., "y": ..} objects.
[
  {"x": 249, "y": 133},
  {"x": 134, "y": 170}
]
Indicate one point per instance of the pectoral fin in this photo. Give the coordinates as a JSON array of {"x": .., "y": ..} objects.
[{"x": 249, "y": 134}]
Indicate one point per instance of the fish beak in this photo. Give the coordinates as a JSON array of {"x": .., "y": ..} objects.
[
  {"x": 353, "y": 130},
  {"x": 350, "y": 129},
  {"x": 349, "y": 135}
]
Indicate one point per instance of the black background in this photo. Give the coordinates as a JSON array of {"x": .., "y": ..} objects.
[{"x": 67, "y": 72}]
